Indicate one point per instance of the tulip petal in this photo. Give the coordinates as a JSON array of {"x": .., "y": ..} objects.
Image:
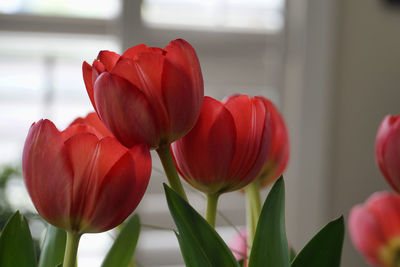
[
  {"x": 182, "y": 54},
  {"x": 108, "y": 59},
  {"x": 144, "y": 72},
  {"x": 252, "y": 142},
  {"x": 47, "y": 172},
  {"x": 388, "y": 150},
  {"x": 180, "y": 100},
  {"x": 133, "y": 51},
  {"x": 79, "y": 128},
  {"x": 278, "y": 153},
  {"x": 386, "y": 209},
  {"x": 87, "y": 71},
  {"x": 121, "y": 191},
  {"x": 81, "y": 150},
  {"x": 93, "y": 120},
  {"x": 142, "y": 158},
  {"x": 204, "y": 155},
  {"x": 125, "y": 111},
  {"x": 365, "y": 233}
]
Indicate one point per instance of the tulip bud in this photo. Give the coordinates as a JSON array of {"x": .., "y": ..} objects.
[
  {"x": 387, "y": 150},
  {"x": 147, "y": 95},
  {"x": 80, "y": 180},
  {"x": 375, "y": 229},
  {"x": 227, "y": 147}
]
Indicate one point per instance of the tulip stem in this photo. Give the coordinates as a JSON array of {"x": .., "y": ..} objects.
[
  {"x": 164, "y": 153},
  {"x": 253, "y": 209},
  {"x": 71, "y": 249},
  {"x": 211, "y": 211}
]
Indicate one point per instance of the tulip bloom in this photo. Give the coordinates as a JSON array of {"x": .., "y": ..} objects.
[
  {"x": 387, "y": 150},
  {"x": 278, "y": 154},
  {"x": 80, "y": 180},
  {"x": 227, "y": 147},
  {"x": 375, "y": 229},
  {"x": 147, "y": 95}
]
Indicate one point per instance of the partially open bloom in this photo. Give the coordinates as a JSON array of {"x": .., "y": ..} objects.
[
  {"x": 387, "y": 150},
  {"x": 147, "y": 95},
  {"x": 278, "y": 154},
  {"x": 227, "y": 147},
  {"x": 81, "y": 180},
  {"x": 375, "y": 229}
]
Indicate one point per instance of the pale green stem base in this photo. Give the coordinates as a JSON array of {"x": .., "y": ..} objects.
[
  {"x": 164, "y": 153},
  {"x": 71, "y": 249},
  {"x": 211, "y": 211},
  {"x": 253, "y": 209}
]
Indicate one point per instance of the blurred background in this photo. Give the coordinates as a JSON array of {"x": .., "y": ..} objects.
[{"x": 332, "y": 68}]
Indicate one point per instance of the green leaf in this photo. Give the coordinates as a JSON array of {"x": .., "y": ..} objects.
[
  {"x": 16, "y": 245},
  {"x": 200, "y": 244},
  {"x": 324, "y": 249},
  {"x": 53, "y": 247},
  {"x": 121, "y": 252},
  {"x": 270, "y": 246},
  {"x": 241, "y": 262}
]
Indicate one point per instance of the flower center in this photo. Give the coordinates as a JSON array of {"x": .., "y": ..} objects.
[{"x": 389, "y": 255}]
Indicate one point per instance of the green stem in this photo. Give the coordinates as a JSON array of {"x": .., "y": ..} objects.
[
  {"x": 253, "y": 209},
  {"x": 71, "y": 249},
  {"x": 211, "y": 212},
  {"x": 249, "y": 222},
  {"x": 164, "y": 153}
]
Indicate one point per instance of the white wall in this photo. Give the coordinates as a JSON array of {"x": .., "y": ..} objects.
[
  {"x": 366, "y": 89},
  {"x": 342, "y": 77}
]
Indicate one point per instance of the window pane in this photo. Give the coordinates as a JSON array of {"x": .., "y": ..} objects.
[
  {"x": 255, "y": 15},
  {"x": 42, "y": 80},
  {"x": 107, "y": 9}
]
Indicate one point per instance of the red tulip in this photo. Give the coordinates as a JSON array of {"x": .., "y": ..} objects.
[
  {"x": 387, "y": 150},
  {"x": 147, "y": 95},
  {"x": 81, "y": 181},
  {"x": 278, "y": 153},
  {"x": 375, "y": 229},
  {"x": 227, "y": 147}
]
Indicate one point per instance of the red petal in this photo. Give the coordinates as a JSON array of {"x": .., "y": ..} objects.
[
  {"x": 387, "y": 150},
  {"x": 81, "y": 149},
  {"x": 252, "y": 136},
  {"x": 278, "y": 154},
  {"x": 386, "y": 209},
  {"x": 77, "y": 129},
  {"x": 47, "y": 173},
  {"x": 125, "y": 111},
  {"x": 365, "y": 233},
  {"x": 87, "y": 71},
  {"x": 99, "y": 67},
  {"x": 145, "y": 73},
  {"x": 133, "y": 51},
  {"x": 96, "y": 126},
  {"x": 180, "y": 100},
  {"x": 182, "y": 54},
  {"x": 108, "y": 59},
  {"x": 204, "y": 155},
  {"x": 142, "y": 158},
  {"x": 122, "y": 189}
]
